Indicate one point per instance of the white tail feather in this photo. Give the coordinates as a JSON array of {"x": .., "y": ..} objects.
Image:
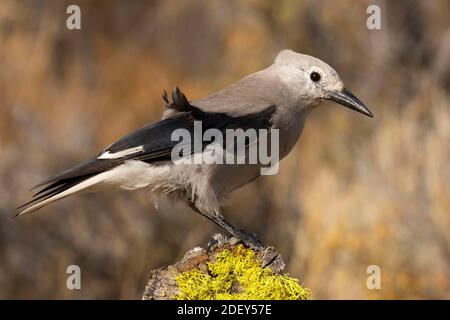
[{"x": 90, "y": 182}]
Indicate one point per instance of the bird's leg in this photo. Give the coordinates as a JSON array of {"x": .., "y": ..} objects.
[{"x": 248, "y": 239}]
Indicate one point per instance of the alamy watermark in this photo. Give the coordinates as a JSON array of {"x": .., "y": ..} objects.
[
  {"x": 234, "y": 146},
  {"x": 373, "y": 22},
  {"x": 73, "y": 21},
  {"x": 73, "y": 281},
  {"x": 374, "y": 280}
]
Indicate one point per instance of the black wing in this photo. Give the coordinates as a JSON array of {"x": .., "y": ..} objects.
[{"x": 155, "y": 141}]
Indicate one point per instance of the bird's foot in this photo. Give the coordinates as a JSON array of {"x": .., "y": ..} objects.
[
  {"x": 219, "y": 240},
  {"x": 250, "y": 240},
  {"x": 239, "y": 236}
]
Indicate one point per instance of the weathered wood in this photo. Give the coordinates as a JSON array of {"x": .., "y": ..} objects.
[{"x": 162, "y": 283}]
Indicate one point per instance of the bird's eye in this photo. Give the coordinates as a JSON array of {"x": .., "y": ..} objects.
[{"x": 315, "y": 76}]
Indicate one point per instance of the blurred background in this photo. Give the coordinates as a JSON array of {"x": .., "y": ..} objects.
[{"x": 355, "y": 192}]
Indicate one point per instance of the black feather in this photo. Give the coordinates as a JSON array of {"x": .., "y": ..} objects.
[
  {"x": 57, "y": 188},
  {"x": 165, "y": 98}
]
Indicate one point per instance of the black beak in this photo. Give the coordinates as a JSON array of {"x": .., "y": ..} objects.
[{"x": 346, "y": 98}]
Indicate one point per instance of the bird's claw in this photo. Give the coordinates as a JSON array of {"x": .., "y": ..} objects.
[
  {"x": 249, "y": 240},
  {"x": 252, "y": 241}
]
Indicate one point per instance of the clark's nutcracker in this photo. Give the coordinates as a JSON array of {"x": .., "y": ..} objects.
[{"x": 278, "y": 97}]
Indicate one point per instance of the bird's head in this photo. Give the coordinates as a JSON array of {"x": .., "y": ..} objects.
[{"x": 313, "y": 81}]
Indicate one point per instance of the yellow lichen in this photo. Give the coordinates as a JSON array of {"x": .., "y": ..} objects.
[{"x": 238, "y": 275}]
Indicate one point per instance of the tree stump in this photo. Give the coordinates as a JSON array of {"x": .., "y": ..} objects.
[{"x": 224, "y": 270}]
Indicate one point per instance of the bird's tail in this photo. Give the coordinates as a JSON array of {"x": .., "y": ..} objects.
[{"x": 59, "y": 190}]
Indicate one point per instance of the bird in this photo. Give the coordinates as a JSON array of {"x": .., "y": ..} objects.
[{"x": 278, "y": 97}]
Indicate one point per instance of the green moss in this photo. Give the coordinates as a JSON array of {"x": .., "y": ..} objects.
[{"x": 238, "y": 275}]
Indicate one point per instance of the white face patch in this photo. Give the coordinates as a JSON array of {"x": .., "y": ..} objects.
[{"x": 120, "y": 154}]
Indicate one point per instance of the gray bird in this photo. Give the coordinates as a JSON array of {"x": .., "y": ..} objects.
[{"x": 278, "y": 97}]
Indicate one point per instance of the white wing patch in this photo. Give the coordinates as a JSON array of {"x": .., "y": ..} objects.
[{"x": 120, "y": 154}]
